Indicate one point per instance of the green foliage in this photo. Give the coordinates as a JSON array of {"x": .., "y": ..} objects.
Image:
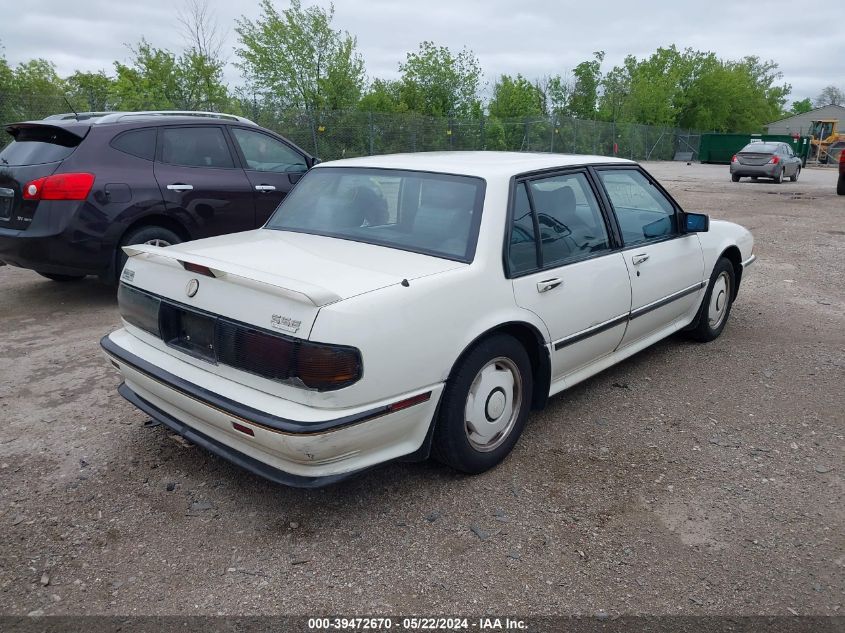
[
  {"x": 297, "y": 60},
  {"x": 89, "y": 91},
  {"x": 156, "y": 79},
  {"x": 800, "y": 107},
  {"x": 585, "y": 92},
  {"x": 515, "y": 97},
  {"x": 436, "y": 82},
  {"x": 693, "y": 89},
  {"x": 383, "y": 96}
]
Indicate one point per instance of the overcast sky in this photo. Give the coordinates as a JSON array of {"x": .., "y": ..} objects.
[{"x": 534, "y": 37}]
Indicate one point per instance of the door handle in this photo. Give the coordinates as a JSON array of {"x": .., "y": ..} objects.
[
  {"x": 639, "y": 259},
  {"x": 264, "y": 188},
  {"x": 548, "y": 284},
  {"x": 180, "y": 187}
]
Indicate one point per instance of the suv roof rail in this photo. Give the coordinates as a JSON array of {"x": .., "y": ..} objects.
[
  {"x": 79, "y": 116},
  {"x": 115, "y": 117}
]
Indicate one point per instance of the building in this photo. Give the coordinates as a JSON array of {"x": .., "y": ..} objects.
[{"x": 800, "y": 123}]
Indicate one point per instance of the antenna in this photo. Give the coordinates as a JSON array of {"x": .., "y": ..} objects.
[{"x": 75, "y": 113}]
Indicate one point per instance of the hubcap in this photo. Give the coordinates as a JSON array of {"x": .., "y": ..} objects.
[
  {"x": 719, "y": 300},
  {"x": 157, "y": 242},
  {"x": 493, "y": 404}
]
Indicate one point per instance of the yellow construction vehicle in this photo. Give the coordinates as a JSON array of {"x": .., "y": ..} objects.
[{"x": 823, "y": 133}]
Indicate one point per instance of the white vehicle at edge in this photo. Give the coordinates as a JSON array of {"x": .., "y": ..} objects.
[{"x": 405, "y": 305}]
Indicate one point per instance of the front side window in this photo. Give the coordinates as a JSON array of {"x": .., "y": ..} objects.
[
  {"x": 434, "y": 214},
  {"x": 643, "y": 212},
  {"x": 265, "y": 153},
  {"x": 195, "y": 147}
]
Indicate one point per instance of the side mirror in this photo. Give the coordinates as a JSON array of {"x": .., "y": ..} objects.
[
  {"x": 696, "y": 223},
  {"x": 315, "y": 161}
]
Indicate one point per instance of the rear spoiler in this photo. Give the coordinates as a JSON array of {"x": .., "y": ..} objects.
[
  {"x": 69, "y": 133},
  {"x": 266, "y": 282}
]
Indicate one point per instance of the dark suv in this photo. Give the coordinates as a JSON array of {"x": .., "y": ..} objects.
[{"x": 75, "y": 188}]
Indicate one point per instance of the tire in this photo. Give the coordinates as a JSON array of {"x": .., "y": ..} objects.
[
  {"x": 840, "y": 185},
  {"x": 715, "y": 310},
  {"x": 155, "y": 235},
  {"x": 794, "y": 177},
  {"x": 495, "y": 375},
  {"x": 779, "y": 178},
  {"x": 734, "y": 177},
  {"x": 61, "y": 278}
]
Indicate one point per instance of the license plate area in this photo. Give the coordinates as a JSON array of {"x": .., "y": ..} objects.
[{"x": 188, "y": 331}]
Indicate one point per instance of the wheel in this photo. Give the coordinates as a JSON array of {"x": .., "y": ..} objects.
[
  {"x": 734, "y": 177},
  {"x": 151, "y": 235},
  {"x": 484, "y": 406},
  {"x": 840, "y": 186},
  {"x": 57, "y": 277},
  {"x": 779, "y": 178},
  {"x": 794, "y": 177},
  {"x": 716, "y": 307}
]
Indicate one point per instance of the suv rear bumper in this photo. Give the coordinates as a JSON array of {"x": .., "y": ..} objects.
[{"x": 56, "y": 241}]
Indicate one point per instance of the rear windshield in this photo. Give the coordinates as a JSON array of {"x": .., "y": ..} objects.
[
  {"x": 434, "y": 214},
  {"x": 38, "y": 145},
  {"x": 760, "y": 148}
]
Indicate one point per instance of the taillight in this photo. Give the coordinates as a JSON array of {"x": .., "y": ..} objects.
[
  {"x": 734, "y": 159},
  {"x": 325, "y": 367},
  {"x": 59, "y": 187},
  {"x": 774, "y": 160}
]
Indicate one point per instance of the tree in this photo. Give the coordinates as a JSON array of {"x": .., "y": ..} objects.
[
  {"x": 584, "y": 97},
  {"x": 515, "y": 97},
  {"x": 90, "y": 91},
  {"x": 383, "y": 96},
  {"x": 157, "y": 79},
  {"x": 800, "y": 107},
  {"x": 831, "y": 95},
  {"x": 437, "y": 82},
  {"x": 297, "y": 60}
]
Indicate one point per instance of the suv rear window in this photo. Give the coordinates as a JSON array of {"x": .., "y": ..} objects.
[{"x": 38, "y": 145}]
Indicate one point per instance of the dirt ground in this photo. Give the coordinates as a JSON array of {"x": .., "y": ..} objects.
[{"x": 690, "y": 479}]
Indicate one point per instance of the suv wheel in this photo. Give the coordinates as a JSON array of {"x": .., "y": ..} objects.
[{"x": 152, "y": 235}]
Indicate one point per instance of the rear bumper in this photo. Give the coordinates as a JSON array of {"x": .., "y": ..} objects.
[
  {"x": 764, "y": 171},
  {"x": 58, "y": 241},
  {"x": 294, "y": 444}
]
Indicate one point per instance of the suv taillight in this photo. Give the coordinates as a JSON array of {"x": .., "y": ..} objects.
[{"x": 59, "y": 187}]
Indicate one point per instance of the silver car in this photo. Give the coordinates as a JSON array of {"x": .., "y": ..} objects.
[{"x": 767, "y": 160}]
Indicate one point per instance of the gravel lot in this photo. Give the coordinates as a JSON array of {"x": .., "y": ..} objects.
[{"x": 691, "y": 479}]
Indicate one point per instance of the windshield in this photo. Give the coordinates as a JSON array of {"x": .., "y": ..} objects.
[{"x": 434, "y": 214}]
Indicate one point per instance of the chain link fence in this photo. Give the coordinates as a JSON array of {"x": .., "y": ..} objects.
[{"x": 348, "y": 133}]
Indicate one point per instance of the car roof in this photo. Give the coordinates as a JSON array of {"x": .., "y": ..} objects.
[{"x": 483, "y": 164}]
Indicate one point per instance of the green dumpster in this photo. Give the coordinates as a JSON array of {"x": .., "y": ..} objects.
[{"x": 720, "y": 148}]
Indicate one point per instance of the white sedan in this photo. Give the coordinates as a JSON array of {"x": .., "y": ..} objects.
[{"x": 411, "y": 305}]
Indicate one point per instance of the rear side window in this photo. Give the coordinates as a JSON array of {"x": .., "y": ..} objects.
[
  {"x": 140, "y": 143},
  {"x": 195, "y": 147},
  {"x": 38, "y": 145}
]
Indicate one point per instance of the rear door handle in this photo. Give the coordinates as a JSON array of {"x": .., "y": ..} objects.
[
  {"x": 548, "y": 284},
  {"x": 180, "y": 187},
  {"x": 264, "y": 188},
  {"x": 639, "y": 259}
]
